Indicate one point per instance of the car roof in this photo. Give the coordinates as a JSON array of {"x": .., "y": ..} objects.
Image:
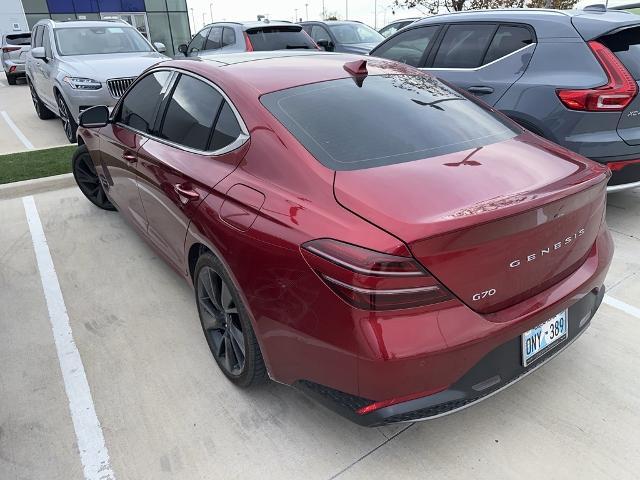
[
  {"x": 334, "y": 22},
  {"x": 548, "y": 23},
  {"x": 85, "y": 23},
  {"x": 253, "y": 24},
  {"x": 265, "y": 72}
]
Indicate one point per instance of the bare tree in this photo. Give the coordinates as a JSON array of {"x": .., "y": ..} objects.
[{"x": 438, "y": 6}]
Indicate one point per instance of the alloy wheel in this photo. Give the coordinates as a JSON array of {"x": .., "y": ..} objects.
[
  {"x": 89, "y": 182},
  {"x": 221, "y": 321},
  {"x": 65, "y": 116}
]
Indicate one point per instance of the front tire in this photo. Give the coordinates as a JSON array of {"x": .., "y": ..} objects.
[
  {"x": 68, "y": 122},
  {"x": 84, "y": 171},
  {"x": 226, "y": 325}
]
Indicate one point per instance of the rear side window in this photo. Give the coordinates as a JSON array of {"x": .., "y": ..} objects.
[
  {"x": 626, "y": 46},
  {"x": 389, "y": 119},
  {"x": 507, "y": 39},
  {"x": 228, "y": 36},
  {"x": 191, "y": 113},
  {"x": 227, "y": 129},
  {"x": 279, "y": 38},
  {"x": 18, "y": 39},
  {"x": 463, "y": 46},
  {"x": 408, "y": 47},
  {"x": 139, "y": 107}
]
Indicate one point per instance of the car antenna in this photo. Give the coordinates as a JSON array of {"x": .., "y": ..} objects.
[{"x": 358, "y": 70}]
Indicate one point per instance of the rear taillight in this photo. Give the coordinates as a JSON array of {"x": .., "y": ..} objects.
[
  {"x": 10, "y": 49},
  {"x": 247, "y": 42},
  {"x": 372, "y": 280},
  {"x": 617, "y": 166},
  {"x": 620, "y": 89}
]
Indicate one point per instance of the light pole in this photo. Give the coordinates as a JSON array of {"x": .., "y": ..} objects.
[
  {"x": 193, "y": 19},
  {"x": 375, "y": 14},
  {"x": 295, "y": 18},
  {"x": 211, "y": 11},
  {"x": 306, "y": 9},
  {"x": 204, "y": 19},
  {"x": 323, "y": 17},
  {"x": 346, "y": 10}
]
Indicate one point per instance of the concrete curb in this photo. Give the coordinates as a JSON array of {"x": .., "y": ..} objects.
[{"x": 39, "y": 185}]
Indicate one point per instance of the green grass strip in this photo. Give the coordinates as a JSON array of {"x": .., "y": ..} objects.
[{"x": 15, "y": 167}]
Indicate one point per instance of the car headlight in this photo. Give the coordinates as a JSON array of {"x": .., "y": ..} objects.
[{"x": 78, "y": 83}]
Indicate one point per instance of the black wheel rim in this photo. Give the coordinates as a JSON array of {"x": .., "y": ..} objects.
[
  {"x": 63, "y": 112},
  {"x": 34, "y": 98},
  {"x": 221, "y": 321},
  {"x": 88, "y": 180}
]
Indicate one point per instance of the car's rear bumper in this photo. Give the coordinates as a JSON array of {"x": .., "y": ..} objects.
[
  {"x": 13, "y": 68},
  {"x": 625, "y": 172},
  {"x": 497, "y": 370}
]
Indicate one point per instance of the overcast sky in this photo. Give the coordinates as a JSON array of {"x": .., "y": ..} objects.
[{"x": 362, "y": 10}]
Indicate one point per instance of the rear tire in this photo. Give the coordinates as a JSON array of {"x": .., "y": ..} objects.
[
  {"x": 11, "y": 79},
  {"x": 226, "y": 325},
  {"x": 41, "y": 109},
  {"x": 84, "y": 171}
]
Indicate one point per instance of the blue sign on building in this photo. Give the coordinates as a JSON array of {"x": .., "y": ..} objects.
[{"x": 95, "y": 6}]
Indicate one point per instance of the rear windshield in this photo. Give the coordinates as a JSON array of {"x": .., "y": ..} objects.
[
  {"x": 626, "y": 46},
  {"x": 279, "y": 38},
  {"x": 389, "y": 119},
  {"x": 18, "y": 39}
]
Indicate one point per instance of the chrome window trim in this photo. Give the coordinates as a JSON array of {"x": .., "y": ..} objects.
[
  {"x": 475, "y": 69},
  {"x": 237, "y": 143}
]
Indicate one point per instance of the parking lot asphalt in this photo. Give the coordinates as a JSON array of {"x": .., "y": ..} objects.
[
  {"x": 167, "y": 412},
  {"x": 20, "y": 127}
]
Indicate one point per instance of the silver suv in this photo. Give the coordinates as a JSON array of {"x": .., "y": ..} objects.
[
  {"x": 14, "y": 48},
  {"x": 76, "y": 65}
]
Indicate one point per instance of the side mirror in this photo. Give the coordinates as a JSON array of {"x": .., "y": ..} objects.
[
  {"x": 38, "y": 52},
  {"x": 94, "y": 117},
  {"x": 326, "y": 45},
  {"x": 182, "y": 48},
  {"x": 160, "y": 47}
]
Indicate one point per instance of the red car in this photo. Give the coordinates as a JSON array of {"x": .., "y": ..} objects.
[{"x": 354, "y": 227}]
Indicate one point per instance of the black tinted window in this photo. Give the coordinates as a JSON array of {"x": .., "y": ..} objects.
[
  {"x": 507, "y": 40},
  {"x": 191, "y": 112},
  {"x": 197, "y": 43},
  {"x": 408, "y": 47},
  {"x": 228, "y": 36},
  {"x": 463, "y": 46},
  {"x": 214, "y": 41},
  {"x": 626, "y": 46},
  {"x": 18, "y": 39},
  {"x": 389, "y": 119},
  {"x": 279, "y": 38},
  {"x": 139, "y": 106},
  {"x": 227, "y": 129}
]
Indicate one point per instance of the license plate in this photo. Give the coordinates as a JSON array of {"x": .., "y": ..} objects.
[{"x": 546, "y": 336}]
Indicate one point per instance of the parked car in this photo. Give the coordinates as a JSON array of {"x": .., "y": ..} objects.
[
  {"x": 234, "y": 37},
  {"x": 393, "y": 27},
  {"x": 343, "y": 36},
  {"x": 355, "y": 228},
  {"x": 75, "y": 65},
  {"x": 14, "y": 48},
  {"x": 568, "y": 76}
]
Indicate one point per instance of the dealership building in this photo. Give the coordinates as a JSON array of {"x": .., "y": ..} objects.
[{"x": 165, "y": 21}]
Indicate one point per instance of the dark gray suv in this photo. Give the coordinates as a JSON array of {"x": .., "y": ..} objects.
[{"x": 569, "y": 76}]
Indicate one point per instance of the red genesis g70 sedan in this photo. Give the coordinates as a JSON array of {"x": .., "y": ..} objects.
[{"x": 353, "y": 227}]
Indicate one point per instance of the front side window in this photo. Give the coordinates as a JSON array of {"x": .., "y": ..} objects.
[
  {"x": 99, "y": 40},
  {"x": 408, "y": 47},
  {"x": 197, "y": 44},
  {"x": 352, "y": 33},
  {"x": 319, "y": 34},
  {"x": 37, "y": 37},
  {"x": 214, "y": 41},
  {"x": 191, "y": 113},
  {"x": 508, "y": 39},
  {"x": 389, "y": 119},
  {"x": 139, "y": 107},
  {"x": 463, "y": 46}
]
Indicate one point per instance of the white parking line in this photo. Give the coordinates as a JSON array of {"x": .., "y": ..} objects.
[
  {"x": 25, "y": 141},
  {"x": 93, "y": 451},
  {"x": 620, "y": 305}
]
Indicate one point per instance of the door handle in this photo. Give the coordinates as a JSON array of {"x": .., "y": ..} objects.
[
  {"x": 186, "y": 192},
  {"x": 130, "y": 157},
  {"x": 481, "y": 89}
]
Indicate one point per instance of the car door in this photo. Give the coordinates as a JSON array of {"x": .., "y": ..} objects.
[
  {"x": 35, "y": 64},
  {"x": 483, "y": 58},
  {"x": 120, "y": 141},
  {"x": 193, "y": 149},
  {"x": 47, "y": 69},
  {"x": 411, "y": 46}
]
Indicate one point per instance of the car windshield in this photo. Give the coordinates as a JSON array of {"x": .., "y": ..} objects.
[
  {"x": 99, "y": 40},
  {"x": 279, "y": 38},
  {"x": 351, "y": 123},
  {"x": 350, "y": 33}
]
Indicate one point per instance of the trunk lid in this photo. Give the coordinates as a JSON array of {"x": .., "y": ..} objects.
[{"x": 496, "y": 224}]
